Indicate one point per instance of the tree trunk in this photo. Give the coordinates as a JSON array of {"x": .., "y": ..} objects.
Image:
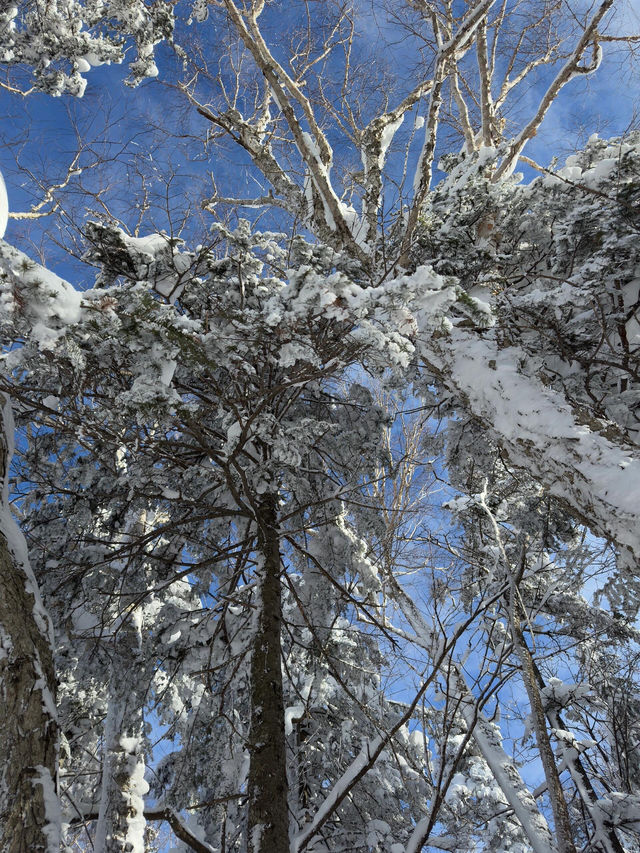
[
  {"x": 267, "y": 785},
  {"x": 121, "y": 821},
  {"x": 603, "y": 829},
  {"x": 564, "y": 831},
  {"x": 29, "y": 810}
]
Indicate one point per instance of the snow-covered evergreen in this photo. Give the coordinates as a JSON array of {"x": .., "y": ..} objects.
[{"x": 336, "y": 526}]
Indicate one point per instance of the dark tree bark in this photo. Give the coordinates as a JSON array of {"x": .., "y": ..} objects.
[
  {"x": 267, "y": 784},
  {"x": 28, "y": 729}
]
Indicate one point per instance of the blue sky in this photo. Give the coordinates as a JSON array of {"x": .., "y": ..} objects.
[{"x": 42, "y": 134}]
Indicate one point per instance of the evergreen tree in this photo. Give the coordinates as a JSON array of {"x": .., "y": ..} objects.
[{"x": 231, "y": 522}]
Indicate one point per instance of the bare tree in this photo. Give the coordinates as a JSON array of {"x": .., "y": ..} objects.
[{"x": 481, "y": 63}]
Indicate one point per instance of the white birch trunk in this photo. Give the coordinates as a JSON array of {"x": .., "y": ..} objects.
[{"x": 121, "y": 821}]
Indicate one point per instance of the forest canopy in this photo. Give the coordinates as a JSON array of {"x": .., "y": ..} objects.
[{"x": 321, "y": 413}]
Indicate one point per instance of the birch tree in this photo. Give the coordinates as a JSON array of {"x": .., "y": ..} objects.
[
  {"x": 202, "y": 423},
  {"x": 297, "y": 113}
]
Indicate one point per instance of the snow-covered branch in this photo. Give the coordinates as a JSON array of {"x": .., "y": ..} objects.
[
  {"x": 570, "y": 69},
  {"x": 540, "y": 433},
  {"x": 453, "y": 48}
]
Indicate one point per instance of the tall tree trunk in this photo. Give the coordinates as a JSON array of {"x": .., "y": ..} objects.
[
  {"x": 121, "y": 821},
  {"x": 603, "y": 828},
  {"x": 267, "y": 784},
  {"x": 563, "y": 829},
  {"x": 29, "y": 809}
]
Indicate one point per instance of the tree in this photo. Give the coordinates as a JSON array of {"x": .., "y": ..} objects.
[
  {"x": 453, "y": 39},
  {"x": 28, "y": 732},
  {"x": 232, "y": 510},
  {"x": 48, "y": 49},
  {"x": 605, "y": 510},
  {"x": 242, "y": 395},
  {"x": 29, "y": 811}
]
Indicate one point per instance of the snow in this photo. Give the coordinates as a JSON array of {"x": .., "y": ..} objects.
[
  {"x": 621, "y": 809},
  {"x": 84, "y": 621},
  {"x": 173, "y": 637},
  {"x": 48, "y": 702},
  {"x": 558, "y": 694},
  {"x": 439, "y": 842},
  {"x": 167, "y": 369},
  {"x": 6, "y": 646},
  {"x": 138, "y": 787},
  {"x": 4, "y": 207},
  {"x": 52, "y": 302},
  {"x": 233, "y": 435},
  {"x": 308, "y": 194},
  {"x": 417, "y": 175},
  {"x": 130, "y": 789},
  {"x": 460, "y": 504},
  {"x": 293, "y": 352},
  {"x": 314, "y": 151},
  {"x": 91, "y": 59},
  {"x": 507, "y": 777},
  {"x": 157, "y": 261},
  {"x": 356, "y": 226},
  {"x": 129, "y": 744},
  {"x": 292, "y": 715},
  {"x": 149, "y": 245},
  {"x": 589, "y": 469},
  {"x": 341, "y": 786},
  {"x": 386, "y": 138},
  {"x": 53, "y": 812},
  {"x": 80, "y": 87}
]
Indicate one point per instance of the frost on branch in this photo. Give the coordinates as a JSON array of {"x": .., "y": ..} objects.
[
  {"x": 555, "y": 377},
  {"x": 60, "y": 42}
]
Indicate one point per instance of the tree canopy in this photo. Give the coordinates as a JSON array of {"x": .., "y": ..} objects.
[{"x": 326, "y": 481}]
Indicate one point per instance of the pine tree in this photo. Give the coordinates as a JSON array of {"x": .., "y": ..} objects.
[{"x": 231, "y": 538}]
